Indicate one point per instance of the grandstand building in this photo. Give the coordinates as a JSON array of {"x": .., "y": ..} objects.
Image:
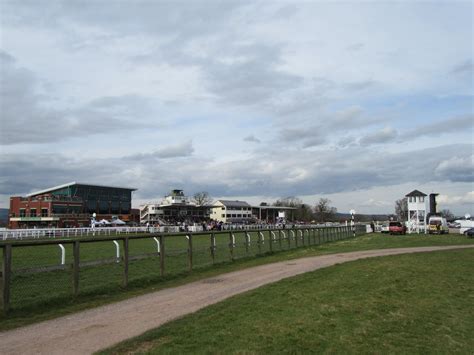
[
  {"x": 71, "y": 205},
  {"x": 174, "y": 208}
]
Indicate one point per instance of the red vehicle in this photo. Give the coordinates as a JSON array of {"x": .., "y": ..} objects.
[{"x": 397, "y": 228}]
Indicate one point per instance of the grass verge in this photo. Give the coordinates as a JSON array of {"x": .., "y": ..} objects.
[
  {"x": 419, "y": 303},
  {"x": 63, "y": 306}
]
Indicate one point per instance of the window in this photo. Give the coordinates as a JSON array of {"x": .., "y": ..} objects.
[
  {"x": 33, "y": 212},
  {"x": 223, "y": 215},
  {"x": 422, "y": 199},
  {"x": 22, "y": 212},
  {"x": 44, "y": 212},
  {"x": 239, "y": 216}
]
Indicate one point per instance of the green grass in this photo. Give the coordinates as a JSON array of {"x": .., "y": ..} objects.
[
  {"x": 420, "y": 303},
  {"x": 37, "y": 297}
]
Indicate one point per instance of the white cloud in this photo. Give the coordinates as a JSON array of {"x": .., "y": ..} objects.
[{"x": 341, "y": 97}]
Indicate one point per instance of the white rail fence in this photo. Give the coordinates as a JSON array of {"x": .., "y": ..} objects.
[{"x": 19, "y": 234}]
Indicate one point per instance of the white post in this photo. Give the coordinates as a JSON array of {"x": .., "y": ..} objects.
[
  {"x": 117, "y": 250},
  {"x": 301, "y": 232},
  {"x": 63, "y": 254},
  {"x": 233, "y": 239},
  {"x": 284, "y": 234},
  {"x": 273, "y": 234},
  {"x": 157, "y": 244},
  {"x": 247, "y": 235},
  {"x": 263, "y": 237},
  {"x": 293, "y": 234}
]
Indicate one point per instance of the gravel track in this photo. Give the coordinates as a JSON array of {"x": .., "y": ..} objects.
[{"x": 95, "y": 329}]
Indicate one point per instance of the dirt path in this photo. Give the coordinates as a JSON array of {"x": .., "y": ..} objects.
[{"x": 89, "y": 331}]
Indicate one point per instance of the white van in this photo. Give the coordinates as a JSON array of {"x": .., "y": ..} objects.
[{"x": 438, "y": 225}]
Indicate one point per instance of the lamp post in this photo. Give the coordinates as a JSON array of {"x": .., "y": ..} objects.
[
  {"x": 93, "y": 220},
  {"x": 352, "y": 212}
]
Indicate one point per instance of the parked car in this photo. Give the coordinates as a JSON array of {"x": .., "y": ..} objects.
[
  {"x": 384, "y": 228},
  {"x": 469, "y": 233},
  {"x": 397, "y": 228}
]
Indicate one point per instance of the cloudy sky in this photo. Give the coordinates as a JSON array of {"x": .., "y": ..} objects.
[{"x": 359, "y": 102}]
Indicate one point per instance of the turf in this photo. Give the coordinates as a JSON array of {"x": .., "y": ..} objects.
[
  {"x": 41, "y": 296},
  {"x": 419, "y": 303}
]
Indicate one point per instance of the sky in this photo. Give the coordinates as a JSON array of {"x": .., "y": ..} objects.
[{"x": 358, "y": 102}]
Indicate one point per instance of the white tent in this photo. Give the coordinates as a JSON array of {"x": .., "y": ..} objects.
[
  {"x": 104, "y": 221},
  {"x": 118, "y": 221}
]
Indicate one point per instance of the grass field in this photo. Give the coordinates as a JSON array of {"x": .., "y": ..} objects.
[
  {"x": 421, "y": 303},
  {"x": 46, "y": 295}
]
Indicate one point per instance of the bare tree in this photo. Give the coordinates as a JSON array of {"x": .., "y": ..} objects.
[
  {"x": 323, "y": 211},
  {"x": 202, "y": 198},
  {"x": 401, "y": 209},
  {"x": 447, "y": 214},
  {"x": 290, "y": 201}
]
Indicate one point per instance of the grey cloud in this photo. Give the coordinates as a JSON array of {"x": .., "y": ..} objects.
[
  {"x": 253, "y": 81},
  {"x": 177, "y": 18},
  {"x": 360, "y": 85},
  {"x": 356, "y": 47},
  {"x": 274, "y": 173},
  {"x": 385, "y": 135},
  {"x": 252, "y": 139},
  {"x": 454, "y": 124},
  {"x": 180, "y": 150},
  {"x": 457, "y": 169},
  {"x": 28, "y": 116},
  {"x": 306, "y": 137},
  {"x": 466, "y": 67}
]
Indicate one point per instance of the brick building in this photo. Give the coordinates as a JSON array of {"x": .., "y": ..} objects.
[{"x": 71, "y": 205}]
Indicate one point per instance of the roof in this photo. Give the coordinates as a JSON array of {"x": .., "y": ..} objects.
[
  {"x": 415, "y": 193},
  {"x": 76, "y": 183},
  {"x": 274, "y": 207},
  {"x": 229, "y": 203}
]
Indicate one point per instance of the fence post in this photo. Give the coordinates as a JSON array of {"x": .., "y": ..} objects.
[
  {"x": 125, "y": 262},
  {"x": 6, "y": 277},
  {"x": 231, "y": 246},
  {"x": 296, "y": 237},
  {"x": 75, "y": 268},
  {"x": 270, "y": 241},
  {"x": 190, "y": 251},
  {"x": 259, "y": 242},
  {"x": 162, "y": 255},
  {"x": 213, "y": 247},
  {"x": 279, "y": 238},
  {"x": 247, "y": 242}
]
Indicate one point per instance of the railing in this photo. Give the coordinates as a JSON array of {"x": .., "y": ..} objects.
[
  {"x": 48, "y": 233},
  {"x": 36, "y": 273}
]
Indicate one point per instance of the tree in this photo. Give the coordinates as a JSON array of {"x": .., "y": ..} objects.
[
  {"x": 302, "y": 211},
  {"x": 290, "y": 201},
  {"x": 323, "y": 211},
  {"x": 447, "y": 214},
  {"x": 202, "y": 198},
  {"x": 401, "y": 209}
]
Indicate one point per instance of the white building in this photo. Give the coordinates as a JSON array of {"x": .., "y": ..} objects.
[
  {"x": 231, "y": 211},
  {"x": 417, "y": 211}
]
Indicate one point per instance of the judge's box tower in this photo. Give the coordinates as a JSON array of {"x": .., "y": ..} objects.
[{"x": 417, "y": 212}]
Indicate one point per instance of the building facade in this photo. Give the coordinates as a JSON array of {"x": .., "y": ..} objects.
[
  {"x": 174, "y": 208},
  {"x": 232, "y": 211},
  {"x": 70, "y": 205}
]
